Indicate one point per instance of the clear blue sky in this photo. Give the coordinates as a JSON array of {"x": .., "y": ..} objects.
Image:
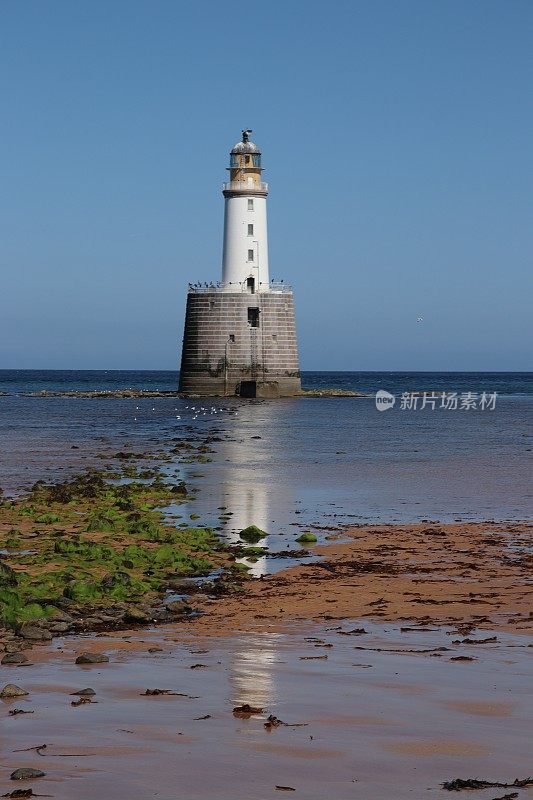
[{"x": 397, "y": 138}]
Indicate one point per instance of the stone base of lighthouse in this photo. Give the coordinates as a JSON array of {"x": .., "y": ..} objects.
[{"x": 240, "y": 344}]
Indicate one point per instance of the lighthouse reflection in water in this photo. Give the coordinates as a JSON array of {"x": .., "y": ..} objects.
[
  {"x": 237, "y": 491},
  {"x": 252, "y": 675},
  {"x": 242, "y": 468},
  {"x": 242, "y": 472}
]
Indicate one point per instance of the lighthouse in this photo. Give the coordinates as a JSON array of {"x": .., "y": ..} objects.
[
  {"x": 240, "y": 333},
  {"x": 245, "y": 250}
]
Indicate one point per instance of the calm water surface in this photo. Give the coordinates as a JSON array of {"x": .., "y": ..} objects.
[{"x": 295, "y": 463}]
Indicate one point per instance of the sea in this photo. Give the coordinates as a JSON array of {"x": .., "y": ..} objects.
[{"x": 306, "y": 463}]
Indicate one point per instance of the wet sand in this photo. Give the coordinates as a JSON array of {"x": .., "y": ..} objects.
[
  {"x": 475, "y": 574},
  {"x": 403, "y": 657},
  {"x": 392, "y": 720}
]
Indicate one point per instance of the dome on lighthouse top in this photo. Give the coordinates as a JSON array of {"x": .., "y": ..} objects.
[{"x": 245, "y": 146}]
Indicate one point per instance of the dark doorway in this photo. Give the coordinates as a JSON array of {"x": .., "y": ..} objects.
[
  {"x": 250, "y": 285},
  {"x": 248, "y": 389},
  {"x": 253, "y": 317}
]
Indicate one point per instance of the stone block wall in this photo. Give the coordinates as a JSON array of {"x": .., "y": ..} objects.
[{"x": 221, "y": 347}]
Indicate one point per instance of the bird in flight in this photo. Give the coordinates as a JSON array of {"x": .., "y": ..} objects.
[{"x": 420, "y": 319}]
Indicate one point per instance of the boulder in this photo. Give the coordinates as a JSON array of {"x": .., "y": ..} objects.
[
  {"x": 182, "y": 585},
  {"x": 58, "y": 615},
  {"x": 33, "y": 632},
  {"x": 108, "y": 619},
  {"x": 139, "y": 615},
  {"x": 90, "y": 623},
  {"x": 178, "y": 607},
  {"x": 161, "y": 615},
  {"x": 14, "y": 658},
  {"x": 92, "y": 658},
  {"x": 59, "y": 627}
]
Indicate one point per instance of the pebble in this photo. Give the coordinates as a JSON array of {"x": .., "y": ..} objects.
[
  {"x": 92, "y": 658},
  {"x": 25, "y": 773},
  {"x": 85, "y": 692},
  {"x": 12, "y": 690}
]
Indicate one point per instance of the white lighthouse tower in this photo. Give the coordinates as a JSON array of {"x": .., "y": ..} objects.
[
  {"x": 245, "y": 251},
  {"x": 240, "y": 334}
]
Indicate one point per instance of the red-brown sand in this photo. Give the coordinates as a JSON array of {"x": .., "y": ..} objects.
[{"x": 459, "y": 574}]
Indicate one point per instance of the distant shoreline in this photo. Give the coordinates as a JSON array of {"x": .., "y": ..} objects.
[
  {"x": 139, "y": 393},
  {"x": 158, "y": 384}
]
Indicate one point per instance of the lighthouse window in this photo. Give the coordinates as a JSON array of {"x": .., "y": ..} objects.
[
  {"x": 250, "y": 230},
  {"x": 250, "y": 205},
  {"x": 250, "y": 255},
  {"x": 253, "y": 317}
]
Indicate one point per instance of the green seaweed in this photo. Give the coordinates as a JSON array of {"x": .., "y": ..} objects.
[
  {"x": 47, "y": 519},
  {"x": 145, "y": 527},
  {"x": 104, "y": 521},
  {"x": 114, "y": 545},
  {"x": 26, "y": 511},
  {"x": 85, "y": 550},
  {"x": 307, "y": 538},
  {"x": 83, "y": 591},
  {"x": 14, "y": 609},
  {"x": 252, "y": 534},
  {"x": 13, "y": 538}
]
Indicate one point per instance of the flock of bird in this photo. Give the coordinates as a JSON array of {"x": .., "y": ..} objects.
[
  {"x": 202, "y": 411},
  {"x": 198, "y": 411}
]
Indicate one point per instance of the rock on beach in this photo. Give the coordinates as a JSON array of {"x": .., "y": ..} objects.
[
  {"x": 92, "y": 658},
  {"x": 26, "y": 773},
  {"x": 12, "y": 690}
]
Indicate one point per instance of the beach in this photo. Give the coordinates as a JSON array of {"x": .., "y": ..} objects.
[
  {"x": 386, "y": 659},
  {"x": 422, "y": 574},
  {"x": 374, "y": 708}
]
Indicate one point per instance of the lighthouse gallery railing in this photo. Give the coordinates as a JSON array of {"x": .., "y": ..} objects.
[
  {"x": 274, "y": 286},
  {"x": 242, "y": 186}
]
